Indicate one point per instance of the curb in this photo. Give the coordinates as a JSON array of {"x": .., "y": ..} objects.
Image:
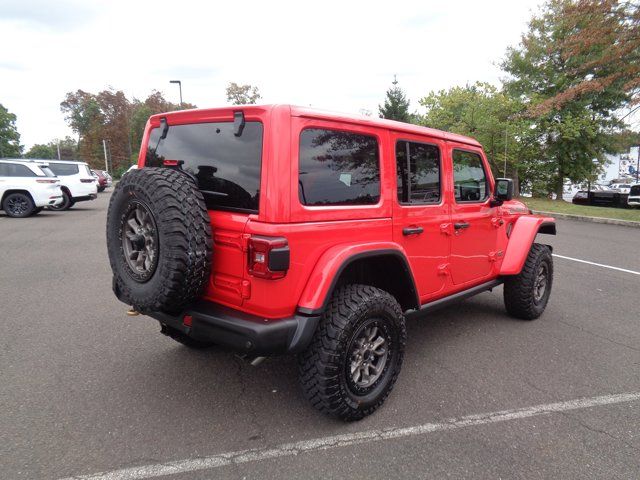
[{"x": 584, "y": 218}]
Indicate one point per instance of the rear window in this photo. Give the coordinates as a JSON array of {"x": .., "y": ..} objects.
[
  {"x": 338, "y": 168},
  {"x": 635, "y": 190},
  {"x": 225, "y": 167},
  {"x": 63, "y": 169}
]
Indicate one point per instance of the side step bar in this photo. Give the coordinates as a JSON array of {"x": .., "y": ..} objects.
[{"x": 456, "y": 297}]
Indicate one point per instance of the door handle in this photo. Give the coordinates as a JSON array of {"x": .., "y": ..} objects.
[
  {"x": 460, "y": 226},
  {"x": 412, "y": 230}
]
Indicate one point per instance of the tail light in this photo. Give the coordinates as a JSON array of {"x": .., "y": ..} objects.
[
  {"x": 268, "y": 257},
  {"x": 87, "y": 180},
  {"x": 47, "y": 181}
]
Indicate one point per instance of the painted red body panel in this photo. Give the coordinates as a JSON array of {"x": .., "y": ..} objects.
[
  {"x": 321, "y": 239},
  {"x": 525, "y": 229}
]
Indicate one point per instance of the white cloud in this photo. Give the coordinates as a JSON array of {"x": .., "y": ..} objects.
[{"x": 334, "y": 54}]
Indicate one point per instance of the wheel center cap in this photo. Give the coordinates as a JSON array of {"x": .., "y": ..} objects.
[{"x": 138, "y": 242}]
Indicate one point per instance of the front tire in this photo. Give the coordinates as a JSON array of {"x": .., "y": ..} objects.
[
  {"x": 18, "y": 205},
  {"x": 526, "y": 295},
  {"x": 356, "y": 354}
]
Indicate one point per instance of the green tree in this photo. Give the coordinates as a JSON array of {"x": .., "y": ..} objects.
[
  {"x": 483, "y": 112},
  {"x": 578, "y": 63},
  {"x": 141, "y": 111},
  {"x": 110, "y": 116},
  {"x": 68, "y": 148},
  {"x": 242, "y": 94},
  {"x": 40, "y": 150},
  {"x": 9, "y": 136},
  {"x": 396, "y": 104}
]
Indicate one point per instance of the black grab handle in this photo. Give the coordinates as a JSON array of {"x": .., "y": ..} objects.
[{"x": 412, "y": 230}]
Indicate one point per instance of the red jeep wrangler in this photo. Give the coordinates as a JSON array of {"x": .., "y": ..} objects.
[{"x": 280, "y": 229}]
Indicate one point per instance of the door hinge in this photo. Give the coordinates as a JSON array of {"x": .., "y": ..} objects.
[
  {"x": 494, "y": 256},
  {"x": 245, "y": 290},
  {"x": 443, "y": 269},
  {"x": 497, "y": 222}
]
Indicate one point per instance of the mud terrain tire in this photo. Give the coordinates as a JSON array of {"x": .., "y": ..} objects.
[
  {"x": 328, "y": 365},
  {"x": 159, "y": 240},
  {"x": 526, "y": 295}
]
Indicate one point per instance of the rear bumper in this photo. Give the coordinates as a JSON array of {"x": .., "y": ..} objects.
[
  {"x": 242, "y": 332},
  {"x": 85, "y": 198}
]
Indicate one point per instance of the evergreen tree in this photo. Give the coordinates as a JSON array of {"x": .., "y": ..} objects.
[{"x": 396, "y": 105}]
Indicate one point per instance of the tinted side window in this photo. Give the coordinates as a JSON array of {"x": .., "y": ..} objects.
[
  {"x": 418, "y": 171},
  {"x": 469, "y": 179},
  {"x": 338, "y": 168},
  {"x": 63, "y": 169},
  {"x": 15, "y": 170},
  {"x": 226, "y": 167}
]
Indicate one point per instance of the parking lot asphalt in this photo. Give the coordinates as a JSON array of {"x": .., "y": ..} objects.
[{"x": 86, "y": 389}]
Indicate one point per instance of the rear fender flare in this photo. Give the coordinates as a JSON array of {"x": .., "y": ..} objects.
[
  {"x": 523, "y": 234},
  {"x": 333, "y": 262}
]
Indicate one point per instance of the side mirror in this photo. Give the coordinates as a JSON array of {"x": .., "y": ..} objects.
[{"x": 504, "y": 189}]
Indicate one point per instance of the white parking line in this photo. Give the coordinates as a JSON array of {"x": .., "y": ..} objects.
[
  {"x": 305, "y": 446},
  {"x": 597, "y": 264}
]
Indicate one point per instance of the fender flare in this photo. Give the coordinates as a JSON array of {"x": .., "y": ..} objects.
[
  {"x": 522, "y": 236},
  {"x": 324, "y": 277}
]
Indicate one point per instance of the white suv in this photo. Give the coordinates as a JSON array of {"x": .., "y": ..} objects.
[
  {"x": 77, "y": 182},
  {"x": 634, "y": 196},
  {"x": 25, "y": 188}
]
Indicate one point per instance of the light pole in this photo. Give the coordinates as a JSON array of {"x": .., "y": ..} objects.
[
  {"x": 180, "y": 86},
  {"x": 638, "y": 163}
]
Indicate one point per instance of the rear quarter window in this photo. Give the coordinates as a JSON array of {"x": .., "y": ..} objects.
[
  {"x": 64, "y": 169},
  {"x": 338, "y": 168},
  {"x": 225, "y": 167}
]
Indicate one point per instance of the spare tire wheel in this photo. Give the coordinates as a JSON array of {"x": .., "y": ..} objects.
[{"x": 159, "y": 240}]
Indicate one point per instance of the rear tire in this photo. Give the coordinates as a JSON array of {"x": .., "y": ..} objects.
[
  {"x": 526, "y": 295},
  {"x": 66, "y": 204},
  {"x": 18, "y": 205},
  {"x": 356, "y": 354}
]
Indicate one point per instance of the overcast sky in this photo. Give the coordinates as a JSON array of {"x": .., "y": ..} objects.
[{"x": 336, "y": 55}]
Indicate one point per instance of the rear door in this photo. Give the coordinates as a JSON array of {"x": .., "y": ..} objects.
[
  {"x": 420, "y": 213},
  {"x": 227, "y": 169},
  {"x": 474, "y": 236}
]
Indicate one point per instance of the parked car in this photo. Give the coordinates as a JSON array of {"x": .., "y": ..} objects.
[
  {"x": 77, "y": 182},
  {"x": 26, "y": 188},
  {"x": 634, "y": 196},
  {"x": 581, "y": 197},
  {"x": 620, "y": 187},
  {"x": 103, "y": 178},
  {"x": 324, "y": 230}
]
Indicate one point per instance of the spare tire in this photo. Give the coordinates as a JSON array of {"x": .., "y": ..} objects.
[{"x": 159, "y": 240}]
